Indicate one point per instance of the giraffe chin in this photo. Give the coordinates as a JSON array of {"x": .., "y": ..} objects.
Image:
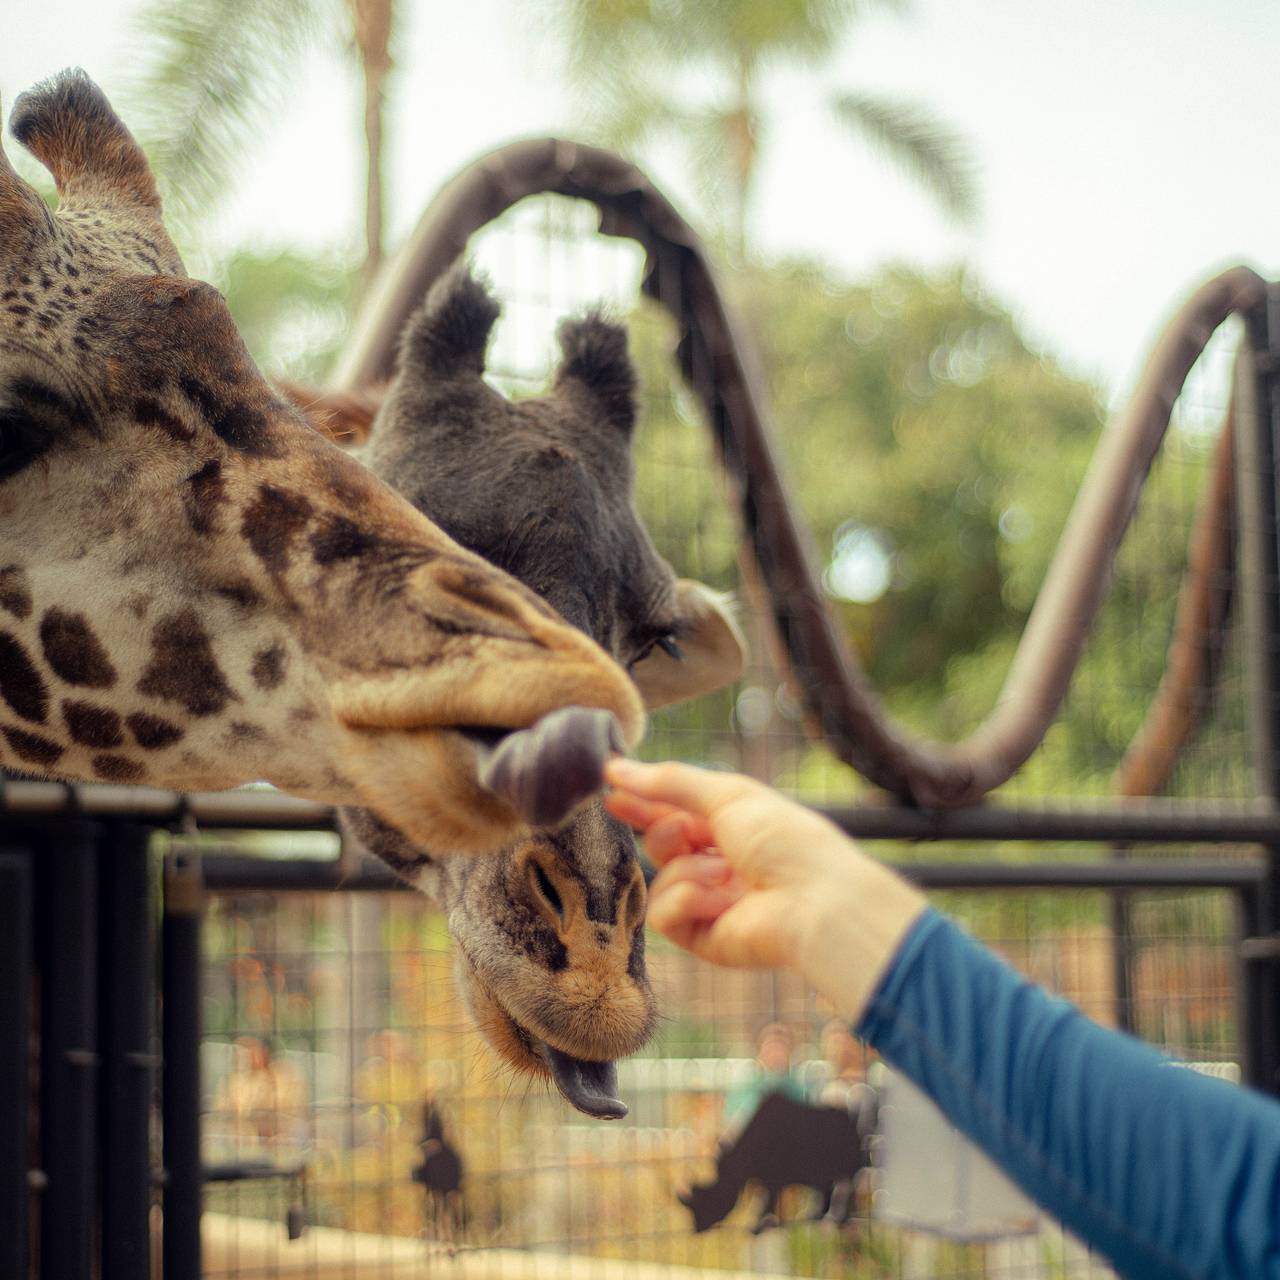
[{"x": 589, "y": 1085}]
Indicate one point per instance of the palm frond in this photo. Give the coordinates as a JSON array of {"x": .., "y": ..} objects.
[
  {"x": 208, "y": 73},
  {"x": 913, "y": 137}
]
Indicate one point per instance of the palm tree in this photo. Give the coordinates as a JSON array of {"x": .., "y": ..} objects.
[
  {"x": 630, "y": 58},
  {"x": 212, "y": 70}
]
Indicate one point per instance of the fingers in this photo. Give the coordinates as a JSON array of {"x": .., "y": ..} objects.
[
  {"x": 688, "y": 896},
  {"x": 699, "y": 791},
  {"x": 636, "y": 811}
]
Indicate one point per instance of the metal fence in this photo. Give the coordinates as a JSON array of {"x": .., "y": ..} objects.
[{"x": 295, "y": 1063}]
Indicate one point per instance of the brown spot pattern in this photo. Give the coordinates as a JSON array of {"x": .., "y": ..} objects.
[
  {"x": 150, "y": 413},
  {"x": 93, "y": 726},
  {"x": 270, "y": 523},
  {"x": 153, "y": 732},
  {"x": 204, "y": 496},
  {"x": 21, "y": 685},
  {"x": 31, "y": 747},
  {"x": 183, "y": 669},
  {"x": 268, "y": 666},
  {"x": 15, "y": 591},
  {"x": 117, "y": 769},
  {"x": 74, "y": 652}
]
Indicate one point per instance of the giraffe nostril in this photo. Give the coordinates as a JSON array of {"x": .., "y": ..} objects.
[{"x": 545, "y": 892}]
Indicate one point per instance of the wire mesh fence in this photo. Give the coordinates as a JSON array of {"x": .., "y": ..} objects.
[{"x": 333, "y": 1044}]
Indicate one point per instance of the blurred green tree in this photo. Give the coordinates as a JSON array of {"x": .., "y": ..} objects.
[
  {"x": 935, "y": 453},
  {"x": 693, "y": 71}
]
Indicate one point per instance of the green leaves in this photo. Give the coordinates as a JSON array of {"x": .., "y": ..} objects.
[{"x": 911, "y": 136}]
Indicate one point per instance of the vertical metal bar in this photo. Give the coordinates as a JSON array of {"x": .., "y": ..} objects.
[
  {"x": 69, "y": 1051},
  {"x": 1257, "y": 441},
  {"x": 15, "y": 1084},
  {"x": 128, "y": 1018},
  {"x": 183, "y": 904}
]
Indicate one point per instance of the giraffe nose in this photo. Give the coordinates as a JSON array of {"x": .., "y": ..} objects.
[{"x": 548, "y": 890}]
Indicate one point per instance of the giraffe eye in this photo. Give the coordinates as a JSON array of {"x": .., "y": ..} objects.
[{"x": 21, "y": 441}]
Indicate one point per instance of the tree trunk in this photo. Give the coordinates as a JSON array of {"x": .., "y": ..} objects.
[{"x": 372, "y": 22}]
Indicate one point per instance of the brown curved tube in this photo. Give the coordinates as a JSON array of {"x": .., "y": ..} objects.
[
  {"x": 719, "y": 366},
  {"x": 1195, "y": 648}
]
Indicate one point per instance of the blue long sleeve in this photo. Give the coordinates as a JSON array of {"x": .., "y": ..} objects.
[{"x": 1165, "y": 1172}]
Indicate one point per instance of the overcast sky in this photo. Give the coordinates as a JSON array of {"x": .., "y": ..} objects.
[{"x": 1126, "y": 147}]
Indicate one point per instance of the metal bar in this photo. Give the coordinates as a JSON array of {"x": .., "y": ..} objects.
[
  {"x": 1138, "y": 822},
  {"x": 69, "y": 1051},
  {"x": 250, "y": 875},
  {"x": 15, "y": 1032},
  {"x": 184, "y": 1178},
  {"x": 1148, "y": 875},
  {"x": 128, "y": 1009},
  {"x": 1257, "y": 393},
  {"x": 164, "y": 808}
]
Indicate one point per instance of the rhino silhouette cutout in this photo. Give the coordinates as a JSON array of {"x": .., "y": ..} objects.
[{"x": 786, "y": 1144}]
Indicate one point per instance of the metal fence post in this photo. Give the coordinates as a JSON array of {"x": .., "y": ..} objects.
[
  {"x": 15, "y": 1084},
  {"x": 1257, "y": 453},
  {"x": 128, "y": 1048},
  {"x": 184, "y": 1182},
  {"x": 69, "y": 1049}
]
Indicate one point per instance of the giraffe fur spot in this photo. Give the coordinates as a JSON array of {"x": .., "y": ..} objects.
[
  {"x": 270, "y": 522},
  {"x": 21, "y": 684},
  {"x": 74, "y": 652},
  {"x": 203, "y": 497},
  {"x": 269, "y": 666},
  {"x": 241, "y": 733},
  {"x": 150, "y": 413},
  {"x": 93, "y": 726},
  {"x": 236, "y": 423},
  {"x": 31, "y": 747},
  {"x": 182, "y": 667},
  {"x": 152, "y": 733},
  {"x": 117, "y": 769},
  {"x": 15, "y": 591}
]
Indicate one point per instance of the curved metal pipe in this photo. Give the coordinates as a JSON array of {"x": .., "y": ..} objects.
[{"x": 718, "y": 363}]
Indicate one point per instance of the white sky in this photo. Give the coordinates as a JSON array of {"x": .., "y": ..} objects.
[{"x": 1126, "y": 147}]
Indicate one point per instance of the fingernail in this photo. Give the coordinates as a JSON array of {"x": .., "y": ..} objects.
[{"x": 711, "y": 871}]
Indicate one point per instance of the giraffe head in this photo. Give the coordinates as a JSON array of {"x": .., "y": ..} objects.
[
  {"x": 549, "y": 932},
  {"x": 196, "y": 590}
]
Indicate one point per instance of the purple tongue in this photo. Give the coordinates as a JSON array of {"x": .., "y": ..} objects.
[
  {"x": 592, "y": 1087},
  {"x": 545, "y": 771}
]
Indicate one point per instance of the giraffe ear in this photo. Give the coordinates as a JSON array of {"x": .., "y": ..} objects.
[
  {"x": 18, "y": 200},
  {"x": 346, "y": 418},
  {"x": 597, "y": 362},
  {"x": 450, "y": 333},
  {"x": 712, "y": 650},
  {"x": 69, "y": 126}
]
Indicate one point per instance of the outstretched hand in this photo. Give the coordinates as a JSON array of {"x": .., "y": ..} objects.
[
  {"x": 743, "y": 870},
  {"x": 753, "y": 880}
]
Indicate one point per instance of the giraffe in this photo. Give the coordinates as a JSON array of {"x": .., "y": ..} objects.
[
  {"x": 548, "y": 933},
  {"x": 197, "y": 590}
]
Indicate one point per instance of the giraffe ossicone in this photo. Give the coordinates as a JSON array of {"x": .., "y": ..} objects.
[{"x": 197, "y": 590}]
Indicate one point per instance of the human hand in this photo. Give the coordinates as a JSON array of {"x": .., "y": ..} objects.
[
  {"x": 753, "y": 880},
  {"x": 744, "y": 871}
]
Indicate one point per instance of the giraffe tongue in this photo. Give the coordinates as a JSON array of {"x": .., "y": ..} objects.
[
  {"x": 592, "y": 1087},
  {"x": 547, "y": 770}
]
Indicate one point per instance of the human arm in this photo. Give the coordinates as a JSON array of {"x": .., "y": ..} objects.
[{"x": 1167, "y": 1173}]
